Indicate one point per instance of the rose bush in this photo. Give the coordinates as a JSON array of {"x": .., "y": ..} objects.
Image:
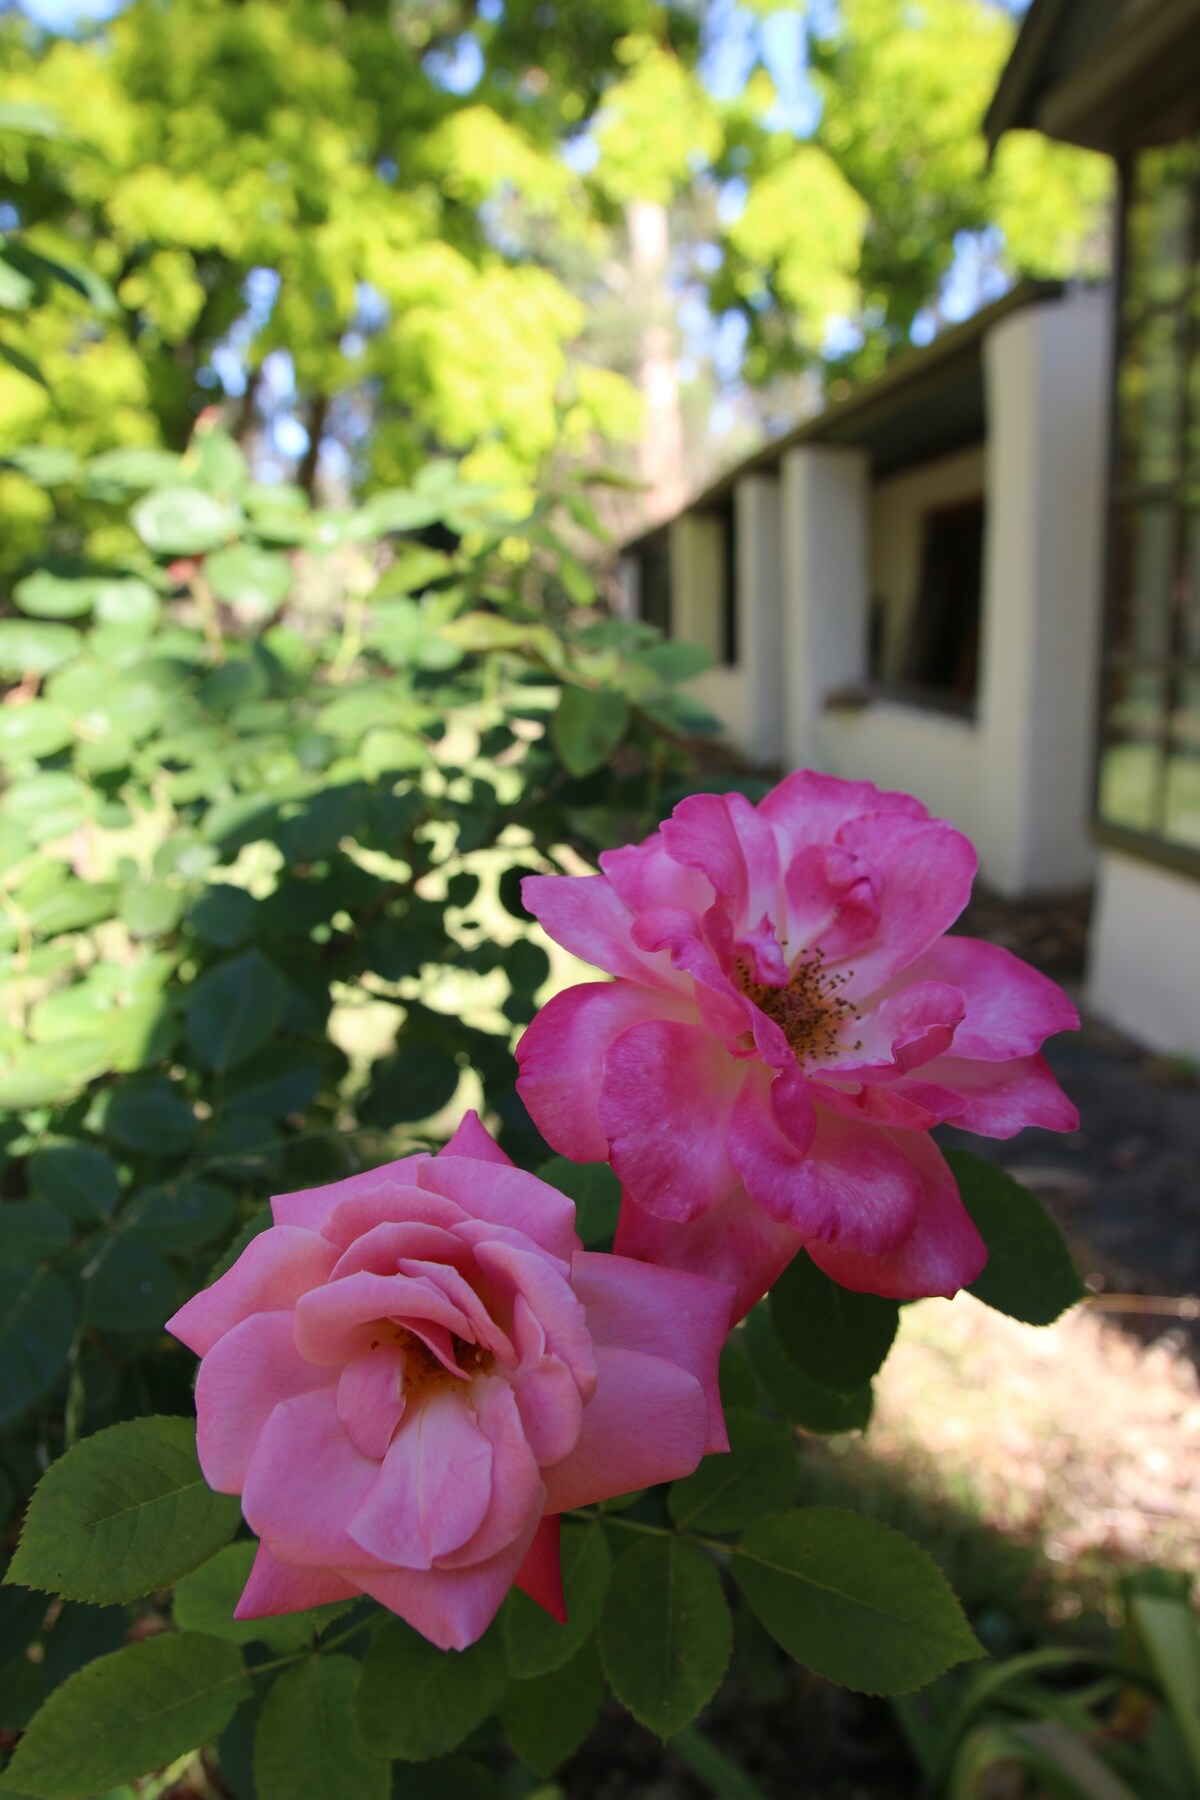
[
  {"x": 786, "y": 1024},
  {"x": 413, "y": 1372}
]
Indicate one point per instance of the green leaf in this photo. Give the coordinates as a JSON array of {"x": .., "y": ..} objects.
[
  {"x": 416, "y": 1701},
  {"x": 284, "y": 1078},
  {"x": 234, "y": 1008},
  {"x": 1029, "y": 1273},
  {"x": 179, "y": 1215},
  {"x": 151, "y": 1115},
  {"x": 416, "y": 1081},
  {"x": 758, "y": 1476},
  {"x": 534, "y": 1643},
  {"x": 834, "y": 1336},
  {"x": 853, "y": 1600},
  {"x": 307, "y": 1746},
  {"x": 675, "y": 660},
  {"x": 149, "y": 909},
  {"x": 127, "y": 601},
  {"x": 805, "y": 1402},
  {"x": 127, "y": 1714},
  {"x": 546, "y": 1720},
  {"x": 205, "y": 1599},
  {"x": 77, "y": 1177},
  {"x": 588, "y": 726},
  {"x": 37, "y": 1329},
  {"x": 122, "y": 1513},
  {"x": 30, "y": 1230},
  {"x": 255, "y": 580},
  {"x": 134, "y": 466},
  {"x": 128, "y": 1287},
  {"x": 50, "y": 1072},
  {"x": 224, "y": 915},
  {"x": 17, "y": 359},
  {"x": 28, "y": 649},
  {"x": 596, "y": 1193},
  {"x": 182, "y": 521},
  {"x": 665, "y": 1633},
  {"x": 36, "y": 729},
  {"x": 45, "y": 595}
]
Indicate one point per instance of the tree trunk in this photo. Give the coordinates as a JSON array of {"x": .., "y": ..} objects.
[
  {"x": 662, "y": 458},
  {"x": 306, "y": 475}
]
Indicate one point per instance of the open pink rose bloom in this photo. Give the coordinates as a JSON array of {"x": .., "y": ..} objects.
[
  {"x": 787, "y": 1022},
  {"x": 414, "y": 1371}
]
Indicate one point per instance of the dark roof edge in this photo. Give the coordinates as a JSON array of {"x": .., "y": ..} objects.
[
  {"x": 1010, "y": 107},
  {"x": 911, "y": 370}
]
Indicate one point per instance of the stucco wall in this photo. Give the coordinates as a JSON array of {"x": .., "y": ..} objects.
[{"x": 1144, "y": 972}]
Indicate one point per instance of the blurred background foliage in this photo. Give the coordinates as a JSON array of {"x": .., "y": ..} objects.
[{"x": 370, "y": 231}]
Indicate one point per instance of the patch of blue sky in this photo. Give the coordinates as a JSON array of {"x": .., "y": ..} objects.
[{"x": 66, "y": 16}]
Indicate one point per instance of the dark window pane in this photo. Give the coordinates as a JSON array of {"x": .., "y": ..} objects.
[
  {"x": 1144, "y": 558},
  {"x": 943, "y": 650},
  {"x": 1131, "y": 759},
  {"x": 1182, "y": 805},
  {"x": 654, "y": 582},
  {"x": 1189, "y": 596}
]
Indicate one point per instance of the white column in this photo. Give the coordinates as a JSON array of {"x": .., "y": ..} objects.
[
  {"x": 758, "y": 576},
  {"x": 1047, "y": 373},
  {"x": 826, "y": 550}
]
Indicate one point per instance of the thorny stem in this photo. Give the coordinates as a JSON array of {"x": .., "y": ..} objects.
[{"x": 662, "y": 1531}]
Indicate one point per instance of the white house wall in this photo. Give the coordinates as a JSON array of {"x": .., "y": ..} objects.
[
  {"x": 1144, "y": 968},
  {"x": 697, "y": 611}
]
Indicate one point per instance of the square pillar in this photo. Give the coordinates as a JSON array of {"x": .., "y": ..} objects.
[
  {"x": 826, "y": 555},
  {"x": 1047, "y": 375},
  {"x": 758, "y": 577}
]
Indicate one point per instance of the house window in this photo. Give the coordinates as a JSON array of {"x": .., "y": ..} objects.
[
  {"x": 1148, "y": 785},
  {"x": 942, "y": 658},
  {"x": 654, "y": 581},
  {"x": 728, "y": 653}
]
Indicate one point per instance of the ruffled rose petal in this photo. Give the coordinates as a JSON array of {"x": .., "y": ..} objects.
[
  {"x": 665, "y": 1104},
  {"x": 450, "y": 1607},
  {"x": 275, "y": 1587},
  {"x": 433, "y": 1488},
  {"x": 518, "y": 1493},
  {"x": 509, "y": 1198},
  {"x": 924, "y": 871},
  {"x": 474, "y": 1140},
  {"x": 311, "y": 1207},
  {"x": 646, "y": 874},
  {"x": 1000, "y": 1099},
  {"x": 270, "y": 1275},
  {"x": 907, "y": 1029},
  {"x": 852, "y": 1186},
  {"x": 1011, "y": 1009},
  {"x": 943, "y": 1253},
  {"x": 245, "y": 1375},
  {"x": 370, "y": 1399},
  {"x": 561, "y": 1058},
  {"x": 807, "y": 808},
  {"x": 647, "y": 1422},
  {"x": 584, "y": 915},
  {"x": 306, "y": 1481},
  {"x": 682, "y": 1318},
  {"x": 734, "y": 1243}
]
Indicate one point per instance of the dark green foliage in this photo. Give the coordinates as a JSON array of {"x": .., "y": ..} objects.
[{"x": 1029, "y": 1273}]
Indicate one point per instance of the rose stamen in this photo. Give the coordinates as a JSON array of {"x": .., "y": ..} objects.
[{"x": 810, "y": 1009}]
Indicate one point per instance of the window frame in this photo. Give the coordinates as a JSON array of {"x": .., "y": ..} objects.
[{"x": 1130, "y": 498}]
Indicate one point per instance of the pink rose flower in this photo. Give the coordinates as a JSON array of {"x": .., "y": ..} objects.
[
  {"x": 411, "y": 1373},
  {"x": 786, "y": 1023}
]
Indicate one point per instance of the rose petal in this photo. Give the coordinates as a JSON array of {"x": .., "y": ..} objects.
[
  {"x": 509, "y": 1198},
  {"x": 450, "y": 1607},
  {"x": 735, "y": 1243},
  {"x": 561, "y": 1056},
  {"x": 683, "y": 1318},
  {"x": 270, "y": 1275},
  {"x": 584, "y": 915},
  {"x": 924, "y": 871},
  {"x": 370, "y": 1399},
  {"x": 277, "y": 1587},
  {"x": 665, "y": 1105},
  {"x": 540, "y": 1575},
  {"x": 473, "y": 1139},
  {"x": 305, "y": 1481},
  {"x": 647, "y": 1422},
  {"x": 311, "y": 1207},
  {"x": 434, "y": 1487},
  {"x": 245, "y": 1375},
  {"x": 943, "y": 1253},
  {"x": 1010, "y": 1008},
  {"x": 1000, "y": 1099}
]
